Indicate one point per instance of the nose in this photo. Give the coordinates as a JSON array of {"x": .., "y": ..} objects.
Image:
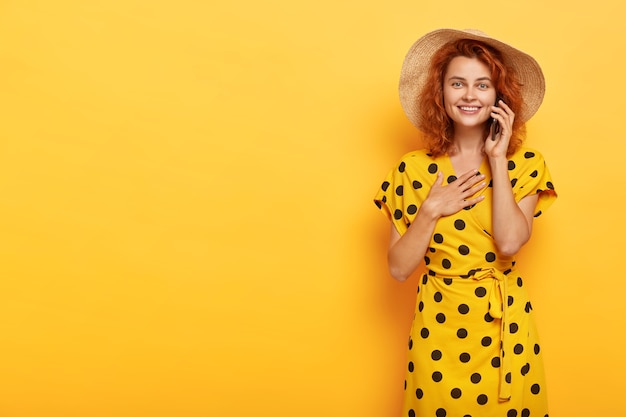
[{"x": 469, "y": 94}]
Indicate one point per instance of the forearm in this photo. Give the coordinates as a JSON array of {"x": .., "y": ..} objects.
[
  {"x": 406, "y": 252},
  {"x": 510, "y": 226}
]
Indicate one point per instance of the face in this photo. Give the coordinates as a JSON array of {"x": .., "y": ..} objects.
[{"x": 468, "y": 92}]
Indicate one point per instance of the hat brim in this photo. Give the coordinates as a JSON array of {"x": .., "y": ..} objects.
[{"x": 417, "y": 61}]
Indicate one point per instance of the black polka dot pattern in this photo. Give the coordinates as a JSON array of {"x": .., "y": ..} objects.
[{"x": 495, "y": 362}]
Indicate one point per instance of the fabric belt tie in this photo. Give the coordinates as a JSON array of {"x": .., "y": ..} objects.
[{"x": 498, "y": 309}]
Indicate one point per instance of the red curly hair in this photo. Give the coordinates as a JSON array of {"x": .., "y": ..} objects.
[{"x": 437, "y": 125}]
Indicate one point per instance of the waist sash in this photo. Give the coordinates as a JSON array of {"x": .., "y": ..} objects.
[{"x": 498, "y": 309}]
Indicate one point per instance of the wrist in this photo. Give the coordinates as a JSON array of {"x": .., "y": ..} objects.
[
  {"x": 497, "y": 161},
  {"x": 429, "y": 212}
]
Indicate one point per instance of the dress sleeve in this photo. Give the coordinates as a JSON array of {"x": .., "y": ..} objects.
[
  {"x": 401, "y": 193},
  {"x": 533, "y": 177}
]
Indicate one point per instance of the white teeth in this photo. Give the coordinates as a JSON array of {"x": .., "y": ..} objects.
[{"x": 469, "y": 108}]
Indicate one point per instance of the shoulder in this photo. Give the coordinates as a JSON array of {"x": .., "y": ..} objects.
[
  {"x": 526, "y": 157},
  {"x": 526, "y": 154},
  {"x": 415, "y": 159}
]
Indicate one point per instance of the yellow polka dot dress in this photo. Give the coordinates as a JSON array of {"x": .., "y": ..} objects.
[{"x": 473, "y": 349}]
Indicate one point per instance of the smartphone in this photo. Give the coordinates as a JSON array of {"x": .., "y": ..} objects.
[{"x": 495, "y": 126}]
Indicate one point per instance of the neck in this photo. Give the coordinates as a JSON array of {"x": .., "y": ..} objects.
[{"x": 469, "y": 141}]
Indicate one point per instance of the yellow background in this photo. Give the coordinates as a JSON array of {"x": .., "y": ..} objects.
[{"x": 186, "y": 224}]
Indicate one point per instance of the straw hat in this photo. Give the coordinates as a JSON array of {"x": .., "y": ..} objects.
[{"x": 417, "y": 61}]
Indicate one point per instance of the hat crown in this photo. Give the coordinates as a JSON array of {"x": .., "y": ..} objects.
[{"x": 475, "y": 32}]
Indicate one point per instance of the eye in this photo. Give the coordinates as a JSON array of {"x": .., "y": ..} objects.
[
  {"x": 457, "y": 84},
  {"x": 483, "y": 86}
]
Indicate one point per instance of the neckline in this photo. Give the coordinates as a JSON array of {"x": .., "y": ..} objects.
[{"x": 482, "y": 167}]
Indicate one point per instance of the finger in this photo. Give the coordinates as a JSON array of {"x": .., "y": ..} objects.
[
  {"x": 473, "y": 189},
  {"x": 503, "y": 105},
  {"x": 498, "y": 108},
  {"x": 473, "y": 201},
  {"x": 504, "y": 111},
  {"x": 466, "y": 176},
  {"x": 499, "y": 115},
  {"x": 439, "y": 180},
  {"x": 503, "y": 114},
  {"x": 474, "y": 182},
  {"x": 469, "y": 179}
]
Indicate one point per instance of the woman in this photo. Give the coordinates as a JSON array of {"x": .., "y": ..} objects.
[{"x": 465, "y": 206}]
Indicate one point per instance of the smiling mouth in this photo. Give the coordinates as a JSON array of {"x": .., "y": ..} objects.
[{"x": 468, "y": 108}]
